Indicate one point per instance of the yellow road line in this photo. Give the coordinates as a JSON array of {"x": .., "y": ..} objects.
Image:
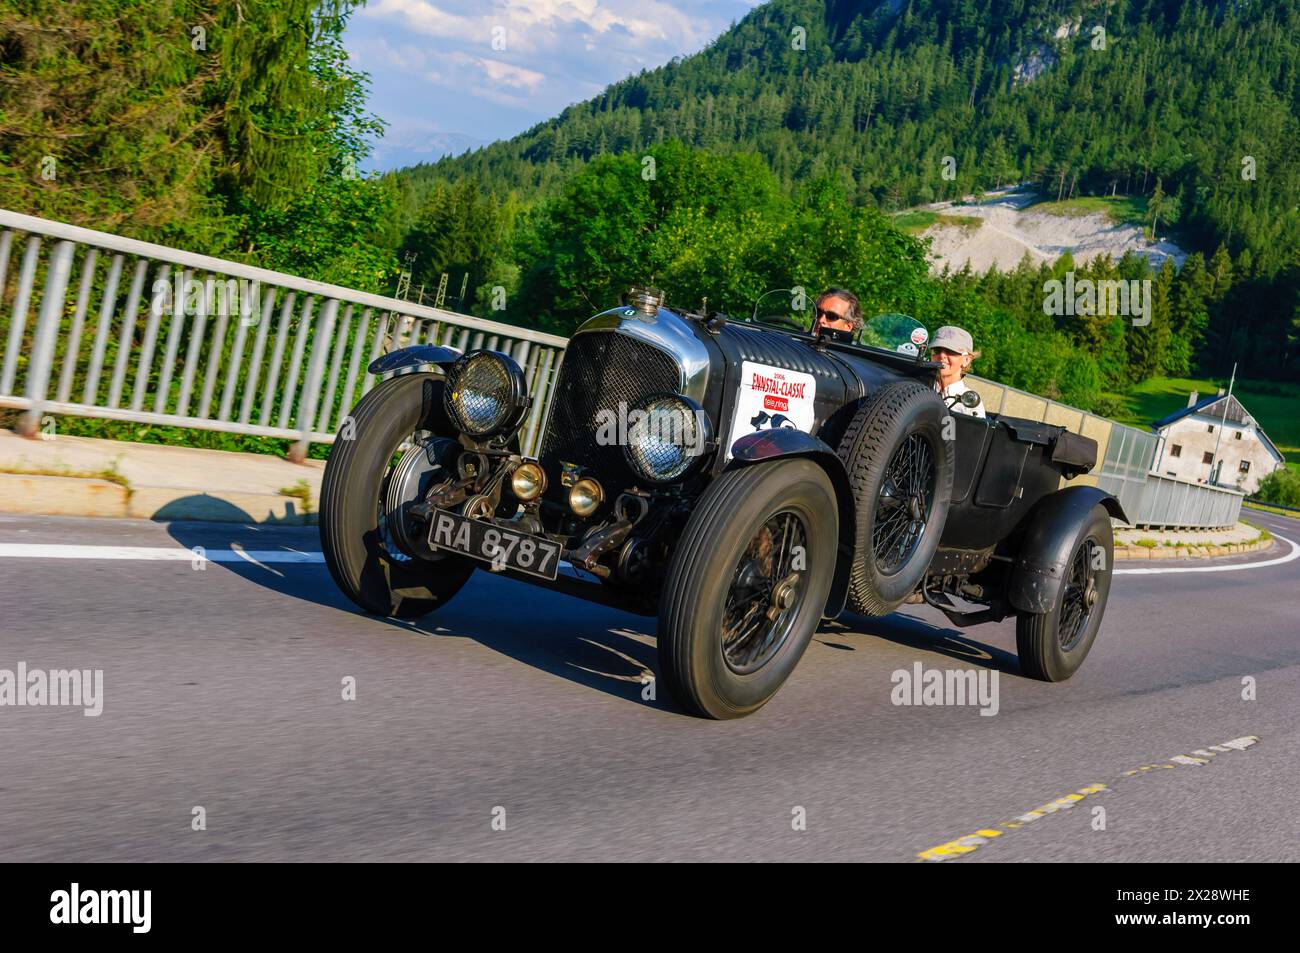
[{"x": 962, "y": 846}]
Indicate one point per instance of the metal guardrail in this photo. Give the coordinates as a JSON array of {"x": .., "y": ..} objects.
[
  {"x": 1168, "y": 503},
  {"x": 1126, "y": 467},
  {"x": 226, "y": 346},
  {"x": 219, "y": 346}
]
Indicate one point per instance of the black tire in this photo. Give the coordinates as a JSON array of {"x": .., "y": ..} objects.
[
  {"x": 726, "y": 564},
  {"x": 1053, "y": 644},
  {"x": 901, "y": 418},
  {"x": 366, "y": 564}
]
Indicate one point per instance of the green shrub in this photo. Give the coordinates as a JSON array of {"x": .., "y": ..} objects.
[{"x": 1281, "y": 487}]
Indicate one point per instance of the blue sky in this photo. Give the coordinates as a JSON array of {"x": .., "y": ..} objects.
[{"x": 451, "y": 74}]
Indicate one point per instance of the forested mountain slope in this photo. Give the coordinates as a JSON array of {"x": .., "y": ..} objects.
[{"x": 1123, "y": 94}]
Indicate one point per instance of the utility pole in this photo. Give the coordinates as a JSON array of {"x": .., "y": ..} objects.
[
  {"x": 1216, "y": 465},
  {"x": 442, "y": 291},
  {"x": 404, "y": 279},
  {"x": 393, "y": 326}
]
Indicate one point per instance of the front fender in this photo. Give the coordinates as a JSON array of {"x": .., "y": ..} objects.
[
  {"x": 417, "y": 356},
  {"x": 1048, "y": 544},
  {"x": 781, "y": 443}
]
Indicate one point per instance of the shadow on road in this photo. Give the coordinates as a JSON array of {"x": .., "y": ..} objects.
[
  {"x": 591, "y": 645},
  {"x": 916, "y": 633}
]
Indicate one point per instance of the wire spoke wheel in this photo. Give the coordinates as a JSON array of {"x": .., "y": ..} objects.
[
  {"x": 1052, "y": 643},
  {"x": 747, "y": 586},
  {"x": 904, "y": 503},
  {"x": 900, "y": 471},
  {"x": 765, "y": 592},
  {"x": 1078, "y": 597}
]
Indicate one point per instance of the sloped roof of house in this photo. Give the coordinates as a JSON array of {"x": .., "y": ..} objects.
[{"x": 1214, "y": 406}]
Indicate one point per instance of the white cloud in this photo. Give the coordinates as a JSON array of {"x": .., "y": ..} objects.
[
  {"x": 370, "y": 53},
  {"x": 435, "y": 57},
  {"x": 425, "y": 17},
  {"x": 512, "y": 75},
  {"x": 532, "y": 25},
  {"x": 612, "y": 37},
  {"x": 483, "y": 77}
]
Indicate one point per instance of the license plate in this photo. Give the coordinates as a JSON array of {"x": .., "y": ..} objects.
[{"x": 502, "y": 548}]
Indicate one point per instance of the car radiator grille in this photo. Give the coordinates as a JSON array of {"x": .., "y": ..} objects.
[{"x": 600, "y": 370}]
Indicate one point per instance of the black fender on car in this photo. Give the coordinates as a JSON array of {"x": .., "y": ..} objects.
[
  {"x": 783, "y": 442},
  {"x": 418, "y": 357},
  {"x": 1047, "y": 545}
]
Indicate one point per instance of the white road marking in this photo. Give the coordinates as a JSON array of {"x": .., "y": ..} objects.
[
  {"x": 62, "y": 551},
  {"x": 235, "y": 555},
  {"x": 239, "y": 550},
  {"x": 1294, "y": 554},
  {"x": 73, "y": 551}
]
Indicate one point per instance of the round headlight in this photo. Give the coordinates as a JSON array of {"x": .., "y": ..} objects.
[
  {"x": 585, "y": 497},
  {"x": 485, "y": 393},
  {"x": 528, "y": 482},
  {"x": 666, "y": 435}
]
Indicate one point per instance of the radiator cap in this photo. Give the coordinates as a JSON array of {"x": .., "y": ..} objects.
[{"x": 648, "y": 301}]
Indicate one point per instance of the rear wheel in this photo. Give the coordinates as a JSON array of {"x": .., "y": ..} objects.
[
  {"x": 376, "y": 553},
  {"x": 747, "y": 586},
  {"x": 901, "y": 470},
  {"x": 1053, "y": 644}
]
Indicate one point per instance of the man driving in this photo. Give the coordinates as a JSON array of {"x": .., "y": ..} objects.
[
  {"x": 837, "y": 315},
  {"x": 954, "y": 349}
]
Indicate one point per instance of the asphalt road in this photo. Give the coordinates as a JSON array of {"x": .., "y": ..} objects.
[{"x": 222, "y": 689}]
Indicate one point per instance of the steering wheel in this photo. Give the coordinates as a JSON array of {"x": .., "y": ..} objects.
[{"x": 784, "y": 320}]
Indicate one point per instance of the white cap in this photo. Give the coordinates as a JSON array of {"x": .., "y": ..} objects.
[{"x": 953, "y": 339}]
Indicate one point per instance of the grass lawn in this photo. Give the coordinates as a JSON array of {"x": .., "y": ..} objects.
[
  {"x": 1272, "y": 403},
  {"x": 965, "y": 222},
  {"x": 915, "y": 221},
  {"x": 1265, "y": 508},
  {"x": 1120, "y": 209}
]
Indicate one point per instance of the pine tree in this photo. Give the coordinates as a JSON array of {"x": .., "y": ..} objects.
[{"x": 1220, "y": 273}]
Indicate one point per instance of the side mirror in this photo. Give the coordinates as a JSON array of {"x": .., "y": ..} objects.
[{"x": 970, "y": 399}]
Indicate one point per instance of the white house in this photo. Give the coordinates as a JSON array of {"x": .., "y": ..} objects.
[{"x": 1214, "y": 440}]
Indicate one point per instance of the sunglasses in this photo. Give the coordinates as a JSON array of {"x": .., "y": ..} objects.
[{"x": 830, "y": 315}]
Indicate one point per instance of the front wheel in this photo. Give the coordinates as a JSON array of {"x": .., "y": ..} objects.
[
  {"x": 397, "y": 450},
  {"x": 1053, "y": 644},
  {"x": 747, "y": 586}
]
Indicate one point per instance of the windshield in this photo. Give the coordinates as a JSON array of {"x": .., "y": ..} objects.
[
  {"x": 789, "y": 308},
  {"x": 895, "y": 332},
  {"x": 783, "y": 307}
]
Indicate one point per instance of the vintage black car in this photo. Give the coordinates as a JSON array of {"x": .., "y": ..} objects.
[{"x": 742, "y": 480}]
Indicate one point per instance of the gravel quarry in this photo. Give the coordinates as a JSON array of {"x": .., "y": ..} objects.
[{"x": 1009, "y": 228}]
